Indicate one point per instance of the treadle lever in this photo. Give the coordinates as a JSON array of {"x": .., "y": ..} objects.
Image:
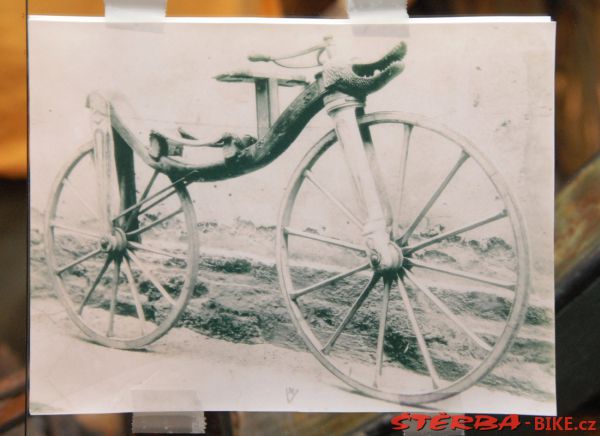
[{"x": 163, "y": 145}]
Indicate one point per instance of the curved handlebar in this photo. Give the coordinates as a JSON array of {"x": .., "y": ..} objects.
[
  {"x": 319, "y": 48},
  {"x": 259, "y": 58},
  {"x": 358, "y": 78}
]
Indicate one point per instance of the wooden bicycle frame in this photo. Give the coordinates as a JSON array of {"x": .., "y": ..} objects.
[{"x": 110, "y": 132}]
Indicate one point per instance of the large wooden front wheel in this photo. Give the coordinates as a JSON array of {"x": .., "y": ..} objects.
[
  {"x": 443, "y": 319},
  {"x": 124, "y": 270}
]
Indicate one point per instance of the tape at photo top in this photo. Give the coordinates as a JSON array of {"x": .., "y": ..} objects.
[
  {"x": 135, "y": 11},
  {"x": 155, "y": 10},
  {"x": 378, "y": 17},
  {"x": 377, "y": 10}
]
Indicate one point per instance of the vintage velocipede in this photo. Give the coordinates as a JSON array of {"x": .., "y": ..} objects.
[{"x": 124, "y": 257}]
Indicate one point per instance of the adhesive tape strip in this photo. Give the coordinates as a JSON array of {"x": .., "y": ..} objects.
[
  {"x": 377, "y": 10},
  {"x": 135, "y": 11},
  {"x": 164, "y": 411},
  {"x": 168, "y": 422},
  {"x": 378, "y": 17}
]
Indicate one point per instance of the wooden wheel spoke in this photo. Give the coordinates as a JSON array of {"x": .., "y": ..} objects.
[
  {"x": 446, "y": 310},
  {"x": 150, "y": 277},
  {"x": 156, "y": 202},
  {"x": 463, "y": 157},
  {"x": 145, "y": 193},
  {"x": 78, "y": 261},
  {"x": 420, "y": 339},
  {"x": 462, "y": 274},
  {"x": 329, "y": 281},
  {"x": 455, "y": 232},
  {"x": 310, "y": 177},
  {"x": 138, "y": 210},
  {"x": 113, "y": 299},
  {"x": 80, "y": 197},
  {"x": 88, "y": 294},
  {"x": 155, "y": 223},
  {"x": 355, "y": 306},
  {"x": 72, "y": 229},
  {"x": 135, "y": 294},
  {"x": 149, "y": 185},
  {"x": 332, "y": 241},
  {"x": 172, "y": 187},
  {"x": 149, "y": 249},
  {"x": 381, "y": 334}
]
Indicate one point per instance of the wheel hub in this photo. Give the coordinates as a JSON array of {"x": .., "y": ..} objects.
[
  {"x": 387, "y": 257},
  {"x": 115, "y": 243}
]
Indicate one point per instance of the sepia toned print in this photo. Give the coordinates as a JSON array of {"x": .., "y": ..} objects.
[{"x": 394, "y": 225}]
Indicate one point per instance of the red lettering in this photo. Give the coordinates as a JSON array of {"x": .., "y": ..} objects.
[
  {"x": 554, "y": 423},
  {"x": 557, "y": 423},
  {"x": 421, "y": 420},
  {"x": 568, "y": 423},
  {"x": 459, "y": 422},
  {"x": 439, "y": 421},
  {"x": 485, "y": 422},
  {"x": 591, "y": 426},
  {"x": 397, "y": 421},
  {"x": 538, "y": 423},
  {"x": 510, "y": 421}
]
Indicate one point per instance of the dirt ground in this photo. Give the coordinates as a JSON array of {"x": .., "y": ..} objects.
[
  {"x": 68, "y": 373},
  {"x": 236, "y": 336}
]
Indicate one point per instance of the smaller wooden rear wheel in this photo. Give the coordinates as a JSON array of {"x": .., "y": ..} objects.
[{"x": 123, "y": 275}]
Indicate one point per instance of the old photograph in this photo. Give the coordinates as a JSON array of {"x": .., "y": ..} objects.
[{"x": 291, "y": 215}]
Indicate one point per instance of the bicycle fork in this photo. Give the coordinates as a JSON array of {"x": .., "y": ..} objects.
[
  {"x": 115, "y": 173},
  {"x": 385, "y": 255}
]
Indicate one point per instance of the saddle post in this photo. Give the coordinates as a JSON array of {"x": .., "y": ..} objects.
[
  {"x": 358, "y": 151},
  {"x": 267, "y": 104}
]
